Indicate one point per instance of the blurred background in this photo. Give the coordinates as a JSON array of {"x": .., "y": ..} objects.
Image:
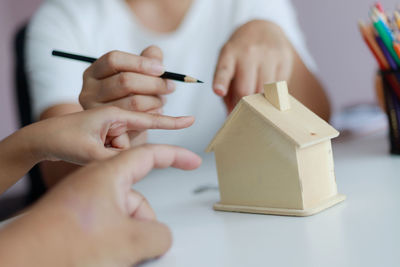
[{"x": 346, "y": 68}]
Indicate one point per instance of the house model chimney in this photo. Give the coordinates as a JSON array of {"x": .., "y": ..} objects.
[{"x": 278, "y": 95}]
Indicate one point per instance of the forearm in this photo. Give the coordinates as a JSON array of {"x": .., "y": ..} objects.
[
  {"x": 18, "y": 154},
  {"x": 308, "y": 90},
  {"x": 53, "y": 172}
]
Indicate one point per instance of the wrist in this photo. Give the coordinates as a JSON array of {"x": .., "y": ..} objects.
[
  {"x": 17, "y": 157},
  {"x": 31, "y": 144}
]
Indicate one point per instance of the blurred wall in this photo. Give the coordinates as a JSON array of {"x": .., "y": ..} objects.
[
  {"x": 346, "y": 67},
  {"x": 12, "y": 14}
]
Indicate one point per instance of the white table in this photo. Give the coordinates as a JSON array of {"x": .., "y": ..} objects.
[{"x": 362, "y": 231}]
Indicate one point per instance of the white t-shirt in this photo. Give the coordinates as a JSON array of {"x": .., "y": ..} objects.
[{"x": 94, "y": 27}]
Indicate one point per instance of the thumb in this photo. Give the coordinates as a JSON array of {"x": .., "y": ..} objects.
[
  {"x": 147, "y": 240},
  {"x": 132, "y": 165}
]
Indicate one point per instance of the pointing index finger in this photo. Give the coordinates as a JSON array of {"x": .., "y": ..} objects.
[
  {"x": 143, "y": 121},
  {"x": 224, "y": 72}
]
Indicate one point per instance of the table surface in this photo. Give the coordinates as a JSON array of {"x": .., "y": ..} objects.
[{"x": 363, "y": 231}]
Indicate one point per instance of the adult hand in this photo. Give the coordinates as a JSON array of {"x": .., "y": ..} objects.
[
  {"x": 93, "y": 217},
  {"x": 93, "y": 134},
  {"x": 126, "y": 81},
  {"x": 257, "y": 53},
  {"x": 129, "y": 82}
]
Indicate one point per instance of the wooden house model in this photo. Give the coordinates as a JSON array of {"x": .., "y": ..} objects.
[{"x": 274, "y": 156}]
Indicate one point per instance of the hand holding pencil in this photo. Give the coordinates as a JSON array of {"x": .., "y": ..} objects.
[{"x": 127, "y": 81}]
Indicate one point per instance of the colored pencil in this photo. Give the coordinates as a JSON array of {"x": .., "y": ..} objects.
[
  {"x": 386, "y": 37},
  {"x": 396, "y": 47},
  {"x": 386, "y": 53},
  {"x": 379, "y": 6},
  {"x": 166, "y": 75},
  {"x": 369, "y": 38},
  {"x": 382, "y": 36}
]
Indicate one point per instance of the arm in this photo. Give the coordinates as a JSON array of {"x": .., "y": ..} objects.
[
  {"x": 259, "y": 52},
  {"x": 77, "y": 138},
  {"x": 53, "y": 171},
  {"x": 18, "y": 154},
  {"x": 306, "y": 88}
]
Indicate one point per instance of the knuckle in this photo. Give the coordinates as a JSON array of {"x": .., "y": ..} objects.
[
  {"x": 124, "y": 81},
  {"x": 162, "y": 85},
  {"x": 86, "y": 74},
  {"x": 226, "y": 49},
  {"x": 141, "y": 64},
  {"x": 157, "y": 103},
  {"x": 82, "y": 99},
  {"x": 157, "y": 121},
  {"x": 111, "y": 58},
  {"x": 134, "y": 103},
  {"x": 223, "y": 70},
  {"x": 85, "y": 99},
  {"x": 251, "y": 49}
]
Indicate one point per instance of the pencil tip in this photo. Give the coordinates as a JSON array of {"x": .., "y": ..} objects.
[{"x": 199, "y": 81}]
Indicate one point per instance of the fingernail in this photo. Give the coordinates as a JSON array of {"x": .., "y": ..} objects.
[
  {"x": 170, "y": 86},
  {"x": 156, "y": 67},
  {"x": 219, "y": 89},
  {"x": 187, "y": 119}
]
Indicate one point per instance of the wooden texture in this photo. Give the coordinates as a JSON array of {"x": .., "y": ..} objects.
[
  {"x": 327, "y": 203},
  {"x": 257, "y": 167},
  {"x": 275, "y": 162},
  {"x": 278, "y": 95},
  {"x": 299, "y": 124},
  {"x": 317, "y": 176}
]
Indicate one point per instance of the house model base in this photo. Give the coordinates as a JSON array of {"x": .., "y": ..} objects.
[
  {"x": 284, "y": 212},
  {"x": 274, "y": 156}
]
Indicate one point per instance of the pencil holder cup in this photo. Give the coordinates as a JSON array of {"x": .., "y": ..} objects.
[{"x": 391, "y": 95}]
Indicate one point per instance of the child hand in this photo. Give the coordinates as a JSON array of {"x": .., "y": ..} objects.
[
  {"x": 94, "y": 218},
  {"x": 257, "y": 53},
  {"x": 93, "y": 134}
]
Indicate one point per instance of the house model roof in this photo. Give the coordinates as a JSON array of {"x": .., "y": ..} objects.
[{"x": 295, "y": 121}]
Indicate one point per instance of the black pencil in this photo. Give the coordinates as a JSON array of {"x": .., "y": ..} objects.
[{"x": 166, "y": 75}]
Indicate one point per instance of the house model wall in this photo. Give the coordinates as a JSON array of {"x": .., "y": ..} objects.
[{"x": 274, "y": 156}]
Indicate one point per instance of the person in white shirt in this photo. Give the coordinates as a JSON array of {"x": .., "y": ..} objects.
[{"x": 234, "y": 46}]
